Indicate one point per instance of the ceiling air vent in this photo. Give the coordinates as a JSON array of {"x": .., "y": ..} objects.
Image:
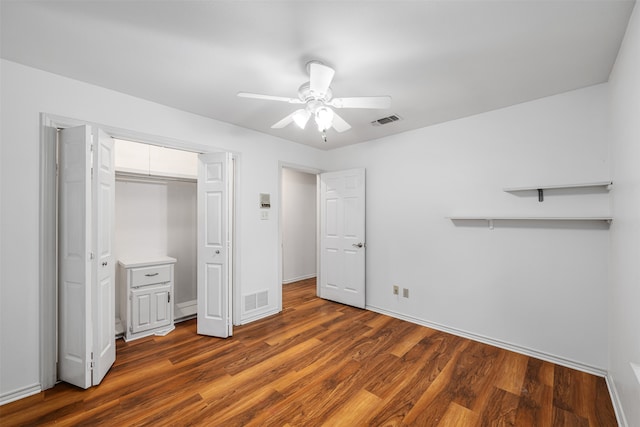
[{"x": 386, "y": 120}]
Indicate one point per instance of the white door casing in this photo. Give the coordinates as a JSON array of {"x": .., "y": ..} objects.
[
  {"x": 74, "y": 276},
  {"x": 342, "y": 237},
  {"x": 214, "y": 244},
  {"x": 103, "y": 304}
]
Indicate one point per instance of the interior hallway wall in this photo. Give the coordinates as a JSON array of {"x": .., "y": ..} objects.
[{"x": 299, "y": 211}]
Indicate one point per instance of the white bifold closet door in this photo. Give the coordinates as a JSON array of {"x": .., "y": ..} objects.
[
  {"x": 86, "y": 266},
  {"x": 342, "y": 237},
  {"x": 215, "y": 215}
]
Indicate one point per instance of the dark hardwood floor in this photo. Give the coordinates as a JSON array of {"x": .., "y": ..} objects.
[{"x": 321, "y": 363}]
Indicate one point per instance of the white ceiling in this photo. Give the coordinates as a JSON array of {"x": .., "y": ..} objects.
[{"x": 439, "y": 60}]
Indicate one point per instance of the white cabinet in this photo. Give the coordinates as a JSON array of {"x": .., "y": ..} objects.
[
  {"x": 173, "y": 163},
  {"x": 146, "y": 306},
  {"x": 145, "y": 159}
]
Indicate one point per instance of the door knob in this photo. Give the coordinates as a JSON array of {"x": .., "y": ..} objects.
[
  {"x": 104, "y": 264},
  {"x": 358, "y": 245},
  {"x": 217, "y": 251}
]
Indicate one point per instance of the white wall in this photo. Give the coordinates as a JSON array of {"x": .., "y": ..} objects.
[
  {"x": 26, "y": 92},
  {"x": 299, "y": 195},
  {"x": 624, "y": 299},
  {"x": 538, "y": 286},
  {"x": 182, "y": 237}
]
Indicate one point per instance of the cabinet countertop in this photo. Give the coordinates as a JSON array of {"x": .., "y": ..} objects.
[{"x": 146, "y": 262}]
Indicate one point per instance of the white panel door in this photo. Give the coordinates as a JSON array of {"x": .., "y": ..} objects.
[
  {"x": 74, "y": 240},
  {"x": 342, "y": 237},
  {"x": 103, "y": 302},
  {"x": 214, "y": 244}
]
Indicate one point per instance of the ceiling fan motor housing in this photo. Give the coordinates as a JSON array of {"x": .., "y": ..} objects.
[{"x": 306, "y": 94}]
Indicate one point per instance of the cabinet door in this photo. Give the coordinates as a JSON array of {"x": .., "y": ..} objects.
[
  {"x": 131, "y": 157},
  {"x": 150, "y": 307},
  {"x": 175, "y": 163}
]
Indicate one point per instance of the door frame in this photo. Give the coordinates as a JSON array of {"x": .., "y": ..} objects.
[
  {"x": 48, "y": 226},
  {"x": 312, "y": 171}
]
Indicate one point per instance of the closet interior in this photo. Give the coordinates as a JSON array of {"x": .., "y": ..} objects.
[{"x": 155, "y": 219}]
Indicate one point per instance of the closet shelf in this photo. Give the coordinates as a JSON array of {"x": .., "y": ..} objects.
[
  {"x": 491, "y": 218},
  {"x": 541, "y": 188},
  {"x": 559, "y": 186}
]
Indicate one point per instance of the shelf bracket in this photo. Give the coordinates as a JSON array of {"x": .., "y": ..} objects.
[
  {"x": 490, "y": 224},
  {"x": 540, "y": 195}
]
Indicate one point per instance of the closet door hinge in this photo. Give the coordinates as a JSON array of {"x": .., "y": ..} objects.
[
  {"x": 168, "y": 297},
  {"x": 91, "y": 148},
  {"x": 91, "y": 255},
  {"x": 91, "y": 362}
]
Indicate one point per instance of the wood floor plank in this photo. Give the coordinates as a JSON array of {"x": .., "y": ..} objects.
[
  {"x": 536, "y": 401},
  {"x": 501, "y": 409},
  {"x": 457, "y": 415},
  {"x": 321, "y": 363},
  {"x": 411, "y": 339},
  {"x": 511, "y": 373},
  {"x": 355, "y": 412}
]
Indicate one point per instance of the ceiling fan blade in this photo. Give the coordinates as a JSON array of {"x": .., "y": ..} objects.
[
  {"x": 339, "y": 124},
  {"x": 320, "y": 77},
  {"x": 375, "y": 102},
  {"x": 284, "y": 122},
  {"x": 269, "y": 97}
]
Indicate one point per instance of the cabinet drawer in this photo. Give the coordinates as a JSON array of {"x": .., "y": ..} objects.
[{"x": 149, "y": 275}]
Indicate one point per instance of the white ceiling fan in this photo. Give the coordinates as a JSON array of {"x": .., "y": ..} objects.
[{"x": 317, "y": 96}]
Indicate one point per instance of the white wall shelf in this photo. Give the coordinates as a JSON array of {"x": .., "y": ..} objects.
[
  {"x": 491, "y": 218},
  {"x": 540, "y": 188}
]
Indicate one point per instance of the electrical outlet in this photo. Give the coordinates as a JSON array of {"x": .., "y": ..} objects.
[
  {"x": 396, "y": 289},
  {"x": 405, "y": 292}
]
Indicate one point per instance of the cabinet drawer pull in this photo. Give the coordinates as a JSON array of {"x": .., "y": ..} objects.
[{"x": 151, "y": 274}]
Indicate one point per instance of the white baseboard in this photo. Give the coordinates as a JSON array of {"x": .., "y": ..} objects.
[
  {"x": 615, "y": 400},
  {"x": 496, "y": 343},
  {"x": 297, "y": 279},
  {"x": 12, "y": 396},
  {"x": 258, "y": 316},
  {"x": 185, "y": 309}
]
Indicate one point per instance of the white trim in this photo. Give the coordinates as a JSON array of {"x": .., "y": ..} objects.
[
  {"x": 259, "y": 316},
  {"x": 615, "y": 400},
  {"x": 297, "y": 279},
  {"x": 185, "y": 309},
  {"x": 496, "y": 343},
  {"x": 21, "y": 393},
  {"x": 48, "y": 254}
]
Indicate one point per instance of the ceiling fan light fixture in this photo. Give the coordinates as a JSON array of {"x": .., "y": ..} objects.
[
  {"x": 324, "y": 118},
  {"x": 301, "y": 117}
]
